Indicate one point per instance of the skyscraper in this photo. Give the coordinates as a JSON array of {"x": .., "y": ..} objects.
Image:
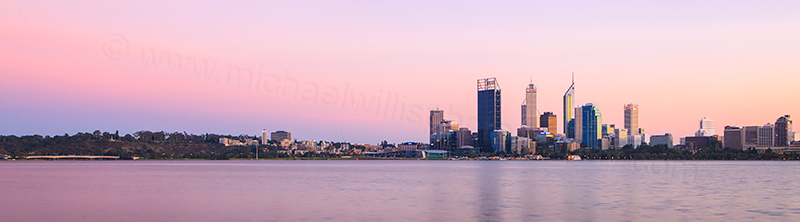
[
  {"x": 706, "y": 127},
  {"x": 784, "y": 135},
  {"x": 264, "y": 137},
  {"x": 437, "y": 116},
  {"x": 529, "y": 116},
  {"x": 590, "y": 125},
  {"x": 750, "y": 137},
  {"x": 488, "y": 111},
  {"x": 766, "y": 135},
  {"x": 733, "y": 138},
  {"x": 632, "y": 118},
  {"x": 569, "y": 99},
  {"x": 549, "y": 120}
]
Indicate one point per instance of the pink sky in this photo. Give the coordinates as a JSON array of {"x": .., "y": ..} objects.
[{"x": 373, "y": 70}]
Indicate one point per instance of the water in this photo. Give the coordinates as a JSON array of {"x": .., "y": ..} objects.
[{"x": 399, "y": 191}]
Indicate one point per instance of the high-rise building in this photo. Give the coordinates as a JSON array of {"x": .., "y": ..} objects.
[
  {"x": 590, "y": 125},
  {"x": 264, "y": 137},
  {"x": 632, "y": 118},
  {"x": 706, "y": 128},
  {"x": 488, "y": 111},
  {"x": 784, "y": 135},
  {"x": 577, "y": 124},
  {"x": 733, "y": 138},
  {"x": 445, "y": 136},
  {"x": 499, "y": 139},
  {"x": 437, "y": 116},
  {"x": 280, "y": 136},
  {"x": 750, "y": 137},
  {"x": 622, "y": 137},
  {"x": 463, "y": 138},
  {"x": 766, "y": 135},
  {"x": 529, "y": 116},
  {"x": 569, "y": 99},
  {"x": 549, "y": 120},
  {"x": 609, "y": 129}
]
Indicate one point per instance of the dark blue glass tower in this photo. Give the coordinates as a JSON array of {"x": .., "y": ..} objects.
[
  {"x": 488, "y": 111},
  {"x": 591, "y": 125}
]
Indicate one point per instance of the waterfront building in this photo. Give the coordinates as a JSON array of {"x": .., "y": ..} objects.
[
  {"x": 412, "y": 146},
  {"x": 706, "y": 128},
  {"x": 499, "y": 139},
  {"x": 549, "y": 120},
  {"x": 280, "y": 136},
  {"x": 569, "y": 99},
  {"x": 577, "y": 123},
  {"x": 632, "y": 118},
  {"x": 608, "y": 142},
  {"x": 609, "y": 129},
  {"x": 488, "y": 112},
  {"x": 444, "y": 138},
  {"x": 733, "y": 138},
  {"x": 264, "y": 137},
  {"x": 437, "y": 116},
  {"x": 750, "y": 137},
  {"x": 634, "y": 140},
  {"x": 621, "y": 137},
  {"x": 463, "y": 137},
  {"x": 230, "y": 142},
  {"x": 766, "y": 135},
  {"x": 589, "y": 122},
  {"x": 523, "y": 146},
  {"x": 527, "y": 132},
  {"x": 784, "y": 135},
  {"x": 665, "y": 139},
  {"x": 698, "y": 142}
]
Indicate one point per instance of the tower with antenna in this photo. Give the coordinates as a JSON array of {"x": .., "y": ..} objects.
[{"x": 569, "y": 106}]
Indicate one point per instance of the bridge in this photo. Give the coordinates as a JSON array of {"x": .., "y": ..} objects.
[{"x": 72, "y": 157}]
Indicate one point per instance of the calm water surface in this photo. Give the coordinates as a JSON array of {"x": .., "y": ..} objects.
[{"x": 399, "y": 191}]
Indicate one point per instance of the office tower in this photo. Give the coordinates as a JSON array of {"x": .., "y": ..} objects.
[
  {"x": 529, "y": 116},
  {"x": 622, "y": 137},
  {"x": 784, "y": 135},
  {"x": 766, "y": 135},
  {"x": 750, "y": 137},
  {"x": 632, "y": 118},
  {"x": 549, "y": 120},
  {"x": 437, "y": 116},
  {"x": 488, "y": 111},
  {"x": 577, "y": 124},
  {"x": 609, "y": 129},
  {"x": 498, "y": 140},
  {"x": 280, "y": 136},
  {"x": 706, "y": 128},
  {"x": 588, "y": 125},
  {"x": 733, "y": 138},
  {"x": 569, "y": 99},
  {"x": 264, "y": 138},
  {"x": 444, "y": 138},
  {"x": 463, "y": 138}
]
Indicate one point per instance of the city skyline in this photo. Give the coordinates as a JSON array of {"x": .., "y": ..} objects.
[{"x": 326, "y": 71}]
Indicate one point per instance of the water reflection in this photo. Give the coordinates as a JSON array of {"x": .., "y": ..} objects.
[{"x": 400, "y": 191}]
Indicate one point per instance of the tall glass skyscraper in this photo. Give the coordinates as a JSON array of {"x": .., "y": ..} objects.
[
  {"x": 591, "y": 122},
  {"x": 569, "y": 99},
  {"x": 488, "y": 111}
]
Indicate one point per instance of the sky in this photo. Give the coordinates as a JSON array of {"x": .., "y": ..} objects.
[{"x": 368, "y": 71}]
